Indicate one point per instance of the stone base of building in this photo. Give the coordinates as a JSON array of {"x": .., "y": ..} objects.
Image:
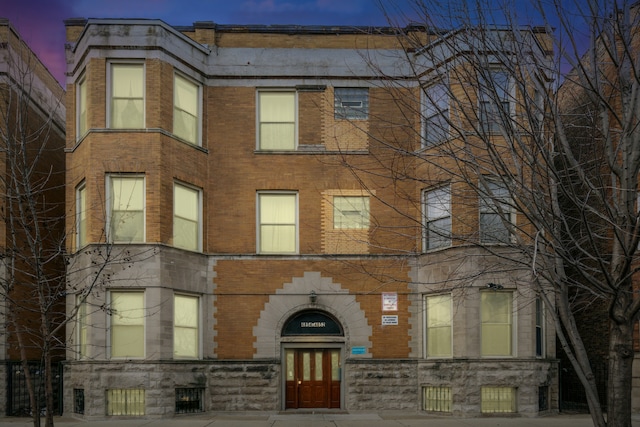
[
  {"x": 163, "y": 389},
  {"x": 3, "y": 389}
]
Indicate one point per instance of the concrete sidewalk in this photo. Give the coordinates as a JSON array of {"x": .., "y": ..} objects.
[{"x": 358, "y": 419}]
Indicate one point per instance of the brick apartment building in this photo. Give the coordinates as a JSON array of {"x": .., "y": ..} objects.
[
  {"x": 32, "y": 141},
  {"x": 249, "y": 267}
]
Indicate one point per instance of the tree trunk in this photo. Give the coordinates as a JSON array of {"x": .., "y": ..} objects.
[
  {"x": 620, "y": 371},
  {"x": 48, "y": 384}
]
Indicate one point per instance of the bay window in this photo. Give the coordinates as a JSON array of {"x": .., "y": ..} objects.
[
  {"x": 437, "y": 218},
  {"x": 495, "y": 213},
  {"x": 435, "y": 128},
  {"x": 127, "y": 324},
  {"x": 81, "y": 216},
  {"x": 127, "y": 96},
  {"x": 81, "y": 107},
  {"x": 186, "y": 217},
  {"x": 496, "y": 323},
  {"x": 186, "y": 342},
  {"x": 186, "y": 107},
  {"x": 126, "y": 204},
  {"x": 438, "y": 325}
]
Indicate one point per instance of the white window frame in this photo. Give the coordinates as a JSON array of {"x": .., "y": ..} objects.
[
  {"x": 109, "y": 193},
  {"x": 197, "y": 190},
  {"x": 427, "y": 327},
  {"x": 81, "y": 103},
  {"x": 433, "y": 113},
  {"x": 512, "y": 326},
  {"x": 489, "y": 204},
  {"x": 110, "y": 87},
  {"x": 259, "y": 93},
  {"x": 81, "y": 215},
  {"x": 445, "y": 241},
  {"x": 198, "y": 117},
  {"x": 361, "y": 217},
  {"x": 259, "y": 224},
  {"x": 198, "y": 331},
  {"x": 352, "y": 104},
  {"x": 112, "y": 312},
  {"x": 489, "y": 92}
]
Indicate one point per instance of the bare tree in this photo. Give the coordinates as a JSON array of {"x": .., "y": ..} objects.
[
  {"x": 43, "y": 288},
  {"x": 536, "y": 128}
]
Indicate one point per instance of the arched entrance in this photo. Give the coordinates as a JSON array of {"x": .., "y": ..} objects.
[{"x": 312, "y": 360}]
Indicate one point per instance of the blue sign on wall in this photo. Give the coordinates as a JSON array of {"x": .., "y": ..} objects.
[{"x": 358, "y": 350}]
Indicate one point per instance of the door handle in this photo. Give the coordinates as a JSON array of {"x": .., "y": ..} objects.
[{"x": 299, "y": 382}]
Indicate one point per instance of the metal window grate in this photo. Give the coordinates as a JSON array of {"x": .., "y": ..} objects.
[
  {"x": 189, "y": 400},
  {"x": 78, "y": 400},
  {"x": 498, "y": 399},
  {"x": 18, "y": 404},
  {"x": 437, "y": 399},
  {"x": 125, "y": 401}
]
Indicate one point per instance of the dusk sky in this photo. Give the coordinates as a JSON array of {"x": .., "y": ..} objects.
[{"x": 40, "y": 22}]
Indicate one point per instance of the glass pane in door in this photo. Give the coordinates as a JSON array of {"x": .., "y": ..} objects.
[{"x": 306, "y": 366}]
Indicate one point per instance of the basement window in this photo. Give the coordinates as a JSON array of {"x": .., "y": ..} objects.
[
  {"x": 189, "y": 400},
  {"x": 122, "y": 401},
  {"x": 436, "y": 399}
]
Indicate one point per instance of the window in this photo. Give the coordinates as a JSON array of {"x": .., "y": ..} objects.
[
  {"x": 126, "y": 201},
  {"x": 497, "y": 399},
  {"x": 277, "y": 218},
  {"x": 127, "y": 96},
  {"x": 125, "y": 401},
  {"x": 539, "y": 328},
  {"x": 437, "y": 399},
  {"x": 496, "y": 308},
  {"x": 351, "y": 103},
  {"x": 277, "y": 120},
  {"x": 186, "y": 106},
  {"x": 186, "y": 342},
  {"x": 350, "y": 212},
  {"x": 189, "y": 400},
  {"x": 438, "y": 325},
  {"x": 186, "y": 217},
  {"x": 81, "y": 106},
  {"x": 436, "y": 114},
  {"x": 78, "y": 400},
  {"x": 81, "y": 216},
  {"x": 437, "y": 218},
  {"x": 495, "y": 100},
  {"x": 495, "y": 213},
  {"x": 543, "y": 398},
  {"x": 127, "y": 324},
  {"x": 81, "y": 327}
]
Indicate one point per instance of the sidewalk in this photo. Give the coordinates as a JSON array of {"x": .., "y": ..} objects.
[{"x": 364, "y": 419}]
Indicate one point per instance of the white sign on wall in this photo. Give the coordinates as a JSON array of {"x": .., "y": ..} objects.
[
  {"x": 389, "y": 320},
  {"x": 389, "y": 301}
]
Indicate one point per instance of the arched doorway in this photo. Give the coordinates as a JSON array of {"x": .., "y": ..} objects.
[{"x": 312, "y": 360}]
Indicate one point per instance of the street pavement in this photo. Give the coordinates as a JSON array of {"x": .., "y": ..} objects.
[{"x": 293, "y": 419}]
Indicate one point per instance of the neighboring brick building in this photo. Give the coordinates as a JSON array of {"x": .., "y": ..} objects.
[
  {"x": 32, "y": 140},
  {"x": 251, "y": 269}
]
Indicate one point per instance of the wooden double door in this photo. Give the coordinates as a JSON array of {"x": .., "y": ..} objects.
[{"x": 312, "y": 378}]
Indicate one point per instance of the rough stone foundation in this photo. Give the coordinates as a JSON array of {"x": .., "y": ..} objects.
[{"x": 256, "y": 385}]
